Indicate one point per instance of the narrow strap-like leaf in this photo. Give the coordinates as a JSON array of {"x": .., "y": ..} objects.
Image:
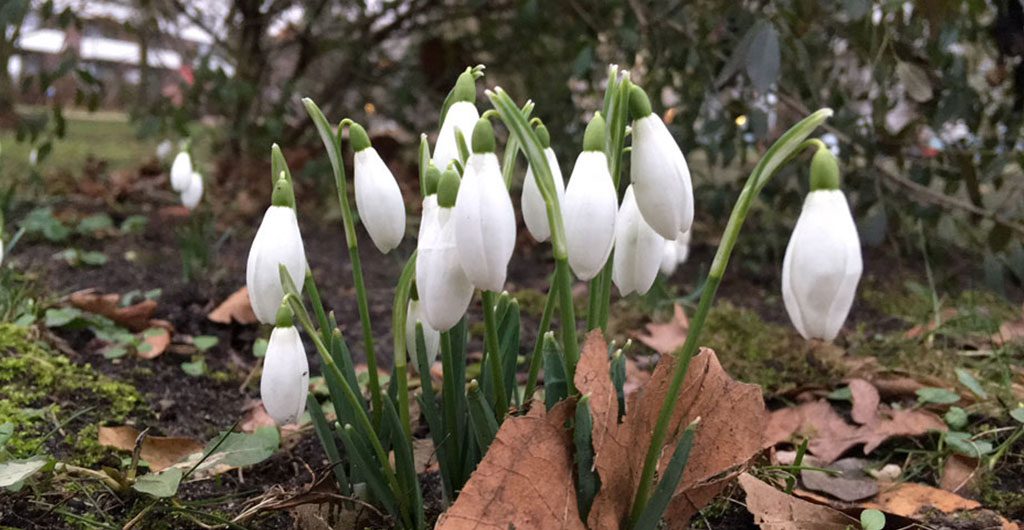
[
  {"x": 587, "y": 481},
  {"x": 665, "y": 489},
  {"x": 329, "y": 443}
]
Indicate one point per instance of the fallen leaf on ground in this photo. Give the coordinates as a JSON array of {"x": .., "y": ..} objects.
[
  {"x": 923, "y": 329},
  {"x": 775, "y": 510},
  {"x": 730, "y": 433},
  {"x": 134, "y": 317},
  {"x": 256, "y": 416},
  {"x": 668, "y": 337},
  {"x": 831, "y": 436},
  {"x": 959, "y": 473},
  {"x": 160, "y": 452},
  {"x": 910, "y": 499},
  {"x": 235, "y": 309},
  {"x": 850, "y": 484},
  {"x": 154, "y": 343},
  {"x": 525, "y": 480},
  {"x": 1009, "y": 331},
  {"x": 865, "y": 401}
]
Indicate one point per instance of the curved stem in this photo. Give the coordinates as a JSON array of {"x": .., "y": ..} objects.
[
  {"x": 787, "y": 146},
  {"x": 399, "y": 317}
]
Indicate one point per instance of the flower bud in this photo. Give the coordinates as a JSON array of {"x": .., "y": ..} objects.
[
  {"x": 432, "y": 338},
  {"x": 658, "y": 170},
  {"x": 191, "y": 196},
  {"x": 277, "y": 242},
  {"x": 284, "y": 384},
  {"x": 535, "y": 212},
  {"x": 638, "y": 249},
  {"x": 822, "y": 265},
  {"x": 378, "y": 198},
  {"x": 591, "y": 204},
  {"x": 444, "y": 289},
  {"x": 462, "y": 115},
  {"x": 485, "y": 224},
  {"x": 181, "y": 171}
]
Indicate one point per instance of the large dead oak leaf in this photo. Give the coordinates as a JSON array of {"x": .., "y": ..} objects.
[
  {"x": 160, "y": 452},
  {"x": 236, "y": 308},
  {"x": 668, "y": 337},
  {"x": 525, "y": 480},
  {"x": 775, "y": 510},
  {"x": 134, "y": 317},
  {"x": 730, "y": 433}
]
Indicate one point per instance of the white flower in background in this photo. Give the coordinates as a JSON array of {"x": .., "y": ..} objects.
[
  {"x": 33, "y": 157},
  {"x": 535, "y": 212},
  {"x": 432, "y": 338},
  {"x": 675, "y": 253},
  {"x": 485, "y": 223},
  {"x": 638, "y": 249},
  {"x": 277, "y": 242},
  {"x": 378, "y": 198},
  {"x": 163, "y": 150},
  {"x": 181, "y": 171},
  {"x": 461, "y": 115},
  {"x": 823, "y": 262},
  {"x": 191, "y": 196},
  {"x": 444, "y": 289},
  {"x": 591, "y": 204},
  {"x": 660, "y": 176},
  {"x": 284, "y": 384}
]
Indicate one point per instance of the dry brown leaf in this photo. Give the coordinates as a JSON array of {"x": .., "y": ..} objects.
[
  {"x": 909, "y": 499},
  {"x": 235, "y": 309},
  {"x": 134, "y": 317},
  {"x": 850, "y": 483},
  {"x": 865, "y": 401},
  {"x": 775, "y": 510},
  {"x": 732, "y": 424},
  {"x": 524, "y": 481},
  {"x": 959, "y": 473},
  {"x": 1009, "y": 331},
  {"x": 256, "y": 416},
  {"x": 160, "y": 452},
  {"x": 157, "y": 339},
  {"x": 830, "y": 436},
  {"x": 922, "y": 329},
  {"x": 668, "y": 337}
]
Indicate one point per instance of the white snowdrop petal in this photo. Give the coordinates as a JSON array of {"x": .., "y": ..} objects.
[
  {"x": 485, "y": 223},
  {"x": 461, "y": 115},
  {"x": 444, "y": 290},
  {"x": 277, "y": 242},
  {"x": 661, "y": 178},
  {"x": 378, "y": 200},
  {"x": 591, "y": 205},
  {"x": 284, "y": 384},
  {"x": 432, "y": 338},
  {"x": 822, "y": 266},
  {"x": 181, "y": 171},
  {"x": 638, "y": 247},
  {"x": 193, "y": 193},
  {"x": 669, "y": 259},
  {"x": 535, "y": 213}
]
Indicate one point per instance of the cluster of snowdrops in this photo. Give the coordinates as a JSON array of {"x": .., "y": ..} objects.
[{"x": 602, "y": 229}]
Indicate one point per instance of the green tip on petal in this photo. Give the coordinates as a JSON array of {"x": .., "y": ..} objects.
[
  {"x": 357, "y": 135},
  {"x": 483, "y": 136},
  {"x": 448, "y": 188},
  {"x": 544, "y": 136},
  {"x": 639, "y": 105},
  {"x": 593, "y": 138},
  {"x": 283, "y": 194},
  {"x": 465, "y": 87},
  {"x": 284, "y": 318},
  {"x": 824, "y": 170},
  {"x": 433, "y": 178}
]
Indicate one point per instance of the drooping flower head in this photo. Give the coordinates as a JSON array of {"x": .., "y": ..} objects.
[
  {"x": 534, "y": 209},
  {"x": 284, "y": 383},
  {"x": 416, "y": 314},
  {"x": 444, "y": 290},
  {"x": 675, "y": 253},
  {"x": 485, "y": 223},
  {"x": 461, "y": 115},
  {"x": 638, "y": 249},
  {"x": 591, "y": 204},
  {"x": 181, "y": 171},
  {"x": 277, "y": 242},
  {"x": 378, "y": 198},
  {"x": 658, "y": 170},
  {"x": 192, "y": 194},
  {"x": 823, "y": 260}
]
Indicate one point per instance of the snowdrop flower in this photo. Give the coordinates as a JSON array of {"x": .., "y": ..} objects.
[
  {"x": 284, "y": 384},
  {"x": 191, "y": 196},
  {"x": 485, "y": 224},
  {"x": 164, "y": 150},
  {"x": 444, "y": 289},
  {"x": 591, "y": 203},
  {"x": 416, "y": 314},
  {"x": 638, "y": 249},
  {"x": 535, "y": 212},
  {"x": 675, "y": 253},
  {"x": 33, "y": 157},
  {"x": 659, "y": 172},
  {"x": 461, "y": 115},
  {"x": 823, "y": 263},
  {"x": 378, "y": 199},
  {"x": 277, "y": 242},
  {"x": 181, "y": 172}
]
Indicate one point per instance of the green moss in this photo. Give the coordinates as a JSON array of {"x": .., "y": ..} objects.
[{"x": 39, "y": 388}]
